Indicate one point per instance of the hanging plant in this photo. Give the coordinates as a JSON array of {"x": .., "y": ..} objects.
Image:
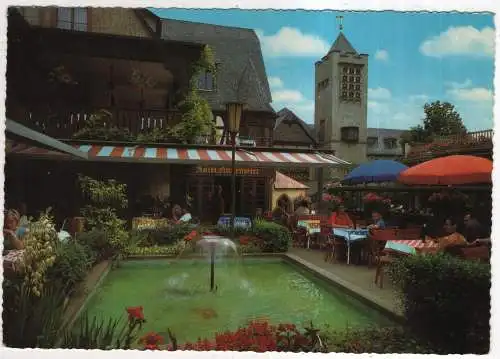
[{"x": 96, "y": 128}]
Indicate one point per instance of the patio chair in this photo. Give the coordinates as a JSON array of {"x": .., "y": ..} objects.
[
  {"x": 479, "y": 253},
  {"x": 410, "y": 233},
  {"x": 376, "y": 243},
  {"x": 299, "y": 237},
  {"x": 382, "y": 261}
]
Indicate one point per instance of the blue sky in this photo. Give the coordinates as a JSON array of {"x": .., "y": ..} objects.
[{"x": 414, "y": 58}]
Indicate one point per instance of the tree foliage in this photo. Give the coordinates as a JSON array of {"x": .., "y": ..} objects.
[{"x": 441, "y": 119}]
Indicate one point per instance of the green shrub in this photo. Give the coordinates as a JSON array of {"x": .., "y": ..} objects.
[
  {"x": 73, "y": 261},
  {"x": 97, "y": 241},
  {"x": 374, "y": 340},
  {"x": 275, "y": 237},
  {"x": 154, "y": 250},
  {"x": 446, "y": 300}
]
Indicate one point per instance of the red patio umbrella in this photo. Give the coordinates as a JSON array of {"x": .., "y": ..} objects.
[{"x": 450, "y": 170}]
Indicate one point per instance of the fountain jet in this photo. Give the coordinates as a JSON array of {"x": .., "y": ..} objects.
[{"x": 212, "y": 243}]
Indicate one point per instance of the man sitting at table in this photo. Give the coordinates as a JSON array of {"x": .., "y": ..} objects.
[
  {"x": 340, "y": 219},
  {"x": 451, "y": 238},
  {"x": 378, "y": 221}
]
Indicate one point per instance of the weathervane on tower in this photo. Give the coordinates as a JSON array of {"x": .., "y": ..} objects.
[{"x": 340, "y": 20}]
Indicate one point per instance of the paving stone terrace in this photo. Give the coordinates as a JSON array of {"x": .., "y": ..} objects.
[{"x": 358, "y": 279}]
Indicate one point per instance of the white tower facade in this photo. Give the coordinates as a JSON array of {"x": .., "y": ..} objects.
[{"x": 340, "y": 113}]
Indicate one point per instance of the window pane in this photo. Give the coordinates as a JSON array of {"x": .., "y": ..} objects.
[
  {"x": 64, "y": 18},
  {"x": 210, "y": 81},
  {"x": 81, "y": 19}
]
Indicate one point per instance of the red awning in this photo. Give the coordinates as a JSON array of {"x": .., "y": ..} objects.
[{"x": 216, "y": 156}]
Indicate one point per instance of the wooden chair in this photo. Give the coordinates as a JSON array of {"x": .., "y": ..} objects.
[
  {"x": 409, "y": 233},
  {"x": 382, "y": 261},
  {"x": 479, "y": 253},
  {"x": 376, "y": 243},
  {"x": 299, "y": 237}
]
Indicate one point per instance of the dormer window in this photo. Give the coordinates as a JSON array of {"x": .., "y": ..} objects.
[
  {"x": 206, "y": 81},
  {"x": 350, "y": 134}
]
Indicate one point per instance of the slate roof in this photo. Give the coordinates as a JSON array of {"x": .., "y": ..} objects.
[
  {"x": 342, "y": 45},
  {"x": 241, "y": 74},
  {"x": 285, "y": 133}
]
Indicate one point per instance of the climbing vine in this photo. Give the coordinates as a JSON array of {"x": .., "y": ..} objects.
[{"x": 197, "y": 118}]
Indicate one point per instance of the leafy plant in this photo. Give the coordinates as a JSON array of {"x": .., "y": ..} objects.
[
  {"x": 446, "y": 300},
  {"x": 197, "y": 118},
  {"x": 73, "y": 261},
  {"x": 106, "y": 198},
  {"x": 275, "y": 237},
  {"x": 39, "y": 253},
  {"x": 32, "y": 320},
  {"x": 97, "y": 128},
  {"x": 374, "y": 340},
  {"x": 105, "y": 334}
]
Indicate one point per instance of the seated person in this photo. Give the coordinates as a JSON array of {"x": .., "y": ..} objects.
[
  {"x": 186, "y": 216},
  {"x": 303, "y": 208},
  {"x": 378, "y": 221},
  {"x": 12, "y": 233},
  {"x": 176, "y": 213},
  {"x": 340, "y": 218},
  {"x": 472, "y": 228},
  {"x": 451, "y": 237}
]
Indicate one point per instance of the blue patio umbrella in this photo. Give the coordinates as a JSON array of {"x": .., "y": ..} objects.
[{"x": 375, "y": 171}]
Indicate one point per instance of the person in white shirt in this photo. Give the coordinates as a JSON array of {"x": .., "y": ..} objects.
[{"x": 186, "y": 216}]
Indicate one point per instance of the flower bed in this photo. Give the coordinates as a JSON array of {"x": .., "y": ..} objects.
[{"x": 266, "y": 237}]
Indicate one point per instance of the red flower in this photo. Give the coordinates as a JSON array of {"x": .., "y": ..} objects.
[
  {"x": 151, "y": 341},
  {"x": 192, "y": 235},
  {"x": 135, "y": 313}
]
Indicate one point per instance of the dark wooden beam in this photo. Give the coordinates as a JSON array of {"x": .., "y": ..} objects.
[{"x": 119, "y": 47}]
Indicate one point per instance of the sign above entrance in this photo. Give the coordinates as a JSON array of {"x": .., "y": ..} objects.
[{"x": 227, "y": 171}]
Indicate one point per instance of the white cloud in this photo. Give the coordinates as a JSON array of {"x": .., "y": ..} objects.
[
  {"x": 289, "y": 41},
  {"x": 462, "y": 40},
  {"x": 465, "y": 92},
  {"x": 275, "y": 82},
  {"x": 382, "y": 55},
  {"x": 379, "y": 93},
  {"x": 475, "y": 94},
  {"x": 419, "y": 98},
  {"x": 286, "y": 95},
  {"x": 459, "y": 85}
]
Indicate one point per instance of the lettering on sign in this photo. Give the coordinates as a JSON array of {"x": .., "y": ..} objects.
[{"x": 227, "y": 171}]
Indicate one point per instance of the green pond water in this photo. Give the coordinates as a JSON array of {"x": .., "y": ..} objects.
[{"x": 175, "y": 294}]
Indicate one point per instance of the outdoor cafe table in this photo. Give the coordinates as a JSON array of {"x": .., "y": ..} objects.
[
  {"x": 412, "y": 247},
  {"x": 239, "y": 222},
  {"x": 350, "y": 235},
  {"x": 13, "y": 260},
  {"x": 312, "y": 226}
]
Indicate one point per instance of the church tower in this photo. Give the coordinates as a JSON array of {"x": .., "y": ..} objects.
[{"x": 340, "y": 112}]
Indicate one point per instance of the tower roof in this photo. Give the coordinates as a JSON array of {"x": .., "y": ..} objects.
[{"x": 342, "y": 45}]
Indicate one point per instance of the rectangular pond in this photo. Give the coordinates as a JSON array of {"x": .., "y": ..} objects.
[{"x": 175, "y": 294}]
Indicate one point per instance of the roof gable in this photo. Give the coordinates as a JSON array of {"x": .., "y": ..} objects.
[
  {"x": 285, "y": 129},
  {"x": 241, "y": 74},
  {"x": 343, "y": 45}
]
